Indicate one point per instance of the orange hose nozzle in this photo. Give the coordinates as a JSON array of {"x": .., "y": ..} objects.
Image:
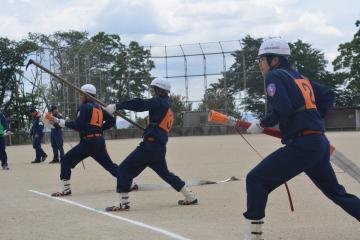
[{"x": 216, "y": 117}]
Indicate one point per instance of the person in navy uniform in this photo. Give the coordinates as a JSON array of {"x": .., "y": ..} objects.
[
  {"x": 37, "y": 134},
  {"x": 298, "y": 106},
  {"x": 56, "y": 136},
  {"x": 91, "y": 121},
  {"x": 4, "y": 130},
  {"x": 151, "y": 151}
]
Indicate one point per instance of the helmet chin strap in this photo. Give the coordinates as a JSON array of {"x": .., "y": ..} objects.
[
  {"x": 279, "y": 64},
  {"x": 87, "y": 99},
  {"x": 274, "y": 67},
  {"x": 159, "y": 92},
  {"x": 269, "y": 59}
]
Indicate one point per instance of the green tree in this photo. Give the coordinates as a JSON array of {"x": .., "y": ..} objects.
[
  {"x": 66, "y": 51},
  {"x": 247, "y": 77},
  {"x": 119, "y": 72},
  {"x": 179, "y": 106},
  {"x": 130, "y": 74},
  {"x": 219, "y": 100},
  {"x": 244, "y": 75},
  {"x": 311, "y": 63},
  {"x": 15, "y": 101},
  {"x": 347, "y": 67},
  {"x": 308, "y": 61},
  {"x": 108, "y": 49}
]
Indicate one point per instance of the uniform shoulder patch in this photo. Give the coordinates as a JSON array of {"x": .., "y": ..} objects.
[
  {"x": 40, "y": 123},
  {"x": 271, "y": 89}
]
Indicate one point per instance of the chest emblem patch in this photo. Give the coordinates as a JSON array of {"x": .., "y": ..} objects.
[{"x": 271, "y": 89}]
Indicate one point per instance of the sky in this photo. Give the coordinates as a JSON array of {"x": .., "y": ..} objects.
[{"x": 323, "y": 23}]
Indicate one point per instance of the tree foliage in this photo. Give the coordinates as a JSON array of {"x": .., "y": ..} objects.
[
  {"x": 118, "y": 71},
  {"x": 15, "y": 100},
  {"x": 244, "y": 76},
  {"x": 219, "y": 100},
  {"x": 130, "y": 73},
  {"x": 347, "y": 67},
  {"x": 179, "y": 106},
  {"x": 121, "y": 71}
]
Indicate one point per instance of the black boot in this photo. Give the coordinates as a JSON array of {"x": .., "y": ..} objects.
[
  {"x": 55, "y": 160},
  {"x": 43, "y": 158},
  {"x": 5, "y": 166}
]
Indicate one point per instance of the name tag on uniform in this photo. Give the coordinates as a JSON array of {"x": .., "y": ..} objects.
[{"x": 271, "y": 89}]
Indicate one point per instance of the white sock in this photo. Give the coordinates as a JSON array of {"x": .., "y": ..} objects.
[
  {"x": 66, "y": 185},
  {"x": 254, "y": 231},
  {"x": 124, "y": 199},
  {"x": 188, "y": 194}
]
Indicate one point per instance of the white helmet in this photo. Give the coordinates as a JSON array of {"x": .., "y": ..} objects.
[
  {"x": 161, "y": 83},
  {"x": 275, "y": 46},
  {"x": 89, "y": 88}
]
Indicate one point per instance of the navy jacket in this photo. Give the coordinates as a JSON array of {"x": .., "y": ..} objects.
[
  {"x": 157, "y": 107},
  {"x": 293, "y": 105},
  {"x": 57, "y": 129},
  {"x": 37, "y": 128},
  {"x": 91, "y": 119}
]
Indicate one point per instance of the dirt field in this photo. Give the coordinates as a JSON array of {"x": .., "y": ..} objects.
[{"x": 32, "y": 215}]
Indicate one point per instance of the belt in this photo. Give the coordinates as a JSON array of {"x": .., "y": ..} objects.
[
  {"x": 308, "y": 132},
  {"x": 93, "y": 135},
  {"x": 150, "y": 139}
]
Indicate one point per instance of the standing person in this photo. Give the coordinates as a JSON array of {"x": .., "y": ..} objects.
[
  {"x": 298, "y": 106},
  {"x": 4, "y": 129},
  {"x": 151, "y": 151},
  {"x": 37, "y": 134},
  {"x": 91, "y": 121},
  {"x": 56, "y": 136}
]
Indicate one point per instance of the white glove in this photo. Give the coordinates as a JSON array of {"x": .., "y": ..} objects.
[
  {"x": 255, "y": 127},
  {"x": 111, "y": 108},
  {"x": 61, "y": 122},
  {"x": 56, "y": 120},
  {"x": 6, "y": 133}
]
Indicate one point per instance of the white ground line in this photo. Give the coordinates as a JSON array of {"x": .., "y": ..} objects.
[{"x": 140, "y": 224}]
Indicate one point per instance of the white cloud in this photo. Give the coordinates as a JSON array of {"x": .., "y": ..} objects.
[
  {"x": 22, "y": 17},
  {"x": 203, "y": 21},
  {"x": 169, "y": 21},
  {"x": 306, "y": 23},
  {"x": 323, "y": 23}
]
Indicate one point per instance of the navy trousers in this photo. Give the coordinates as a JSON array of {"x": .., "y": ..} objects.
[
  {"x": 95, "y": 148},
  {"x": 147, "y": 154},
  {"x": 37, "y": 146},
  {"x": 309, "y": 154},
  {"x": 3, "y": 155},
  {"x": 57, "y": 144}
]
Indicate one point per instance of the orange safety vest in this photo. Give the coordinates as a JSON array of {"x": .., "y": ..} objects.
[
  {"x": 307, "y": 92},
  {"x": 96, "y": 117},
  {"x": 167, "y": 122}
]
